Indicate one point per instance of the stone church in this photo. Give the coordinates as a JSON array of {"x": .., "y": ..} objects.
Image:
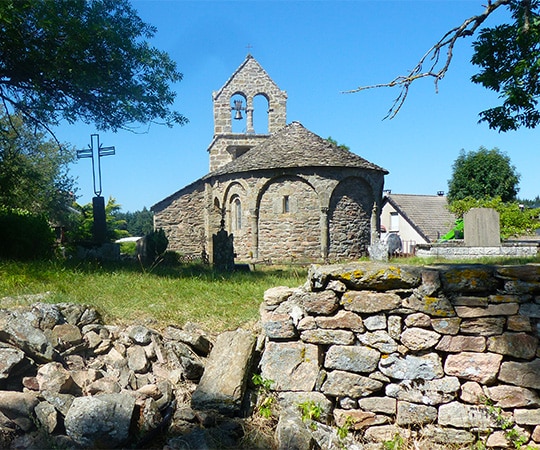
[{"x": 285, "y": 194}]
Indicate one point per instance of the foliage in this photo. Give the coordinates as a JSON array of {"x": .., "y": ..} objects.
[
  {"x": 396, "y": 443},
  {"x": 83, "y": 60},
  {"x": 310, "y": 411},
  {"x": 266, "y": 400},
  {"x": 83, "y": 222},
  {"x": 33, "y": 170},
  {"x": 138, "y": 223},
  {"x": 481, "y": 174},
  {"x": 341, "y": 146},
  {"x": 514, "y": 221},
  {"x": 156, "y": 244},
  {"x": 508, "y": 57},
  {"x": 534, "y": 203},
  {"x": 24, "y": 235}
]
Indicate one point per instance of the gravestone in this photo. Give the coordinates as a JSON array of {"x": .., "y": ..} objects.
[
  {"x": 223, "y": 251},
  {"x": 482, "y": 228}
]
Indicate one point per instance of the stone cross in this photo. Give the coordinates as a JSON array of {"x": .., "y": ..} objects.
[
  {"x": 99, "y": 230},
  {"x": 96, "y": 168}
]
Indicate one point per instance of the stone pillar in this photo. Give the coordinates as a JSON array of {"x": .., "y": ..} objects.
[
  {"x": 254, "y": 218},
  {"x": 324, "y": 233},
  {"x": 249, "y": 116},
  {"x": 374, "y": 223},
  {"x": 482, "y": 228}
]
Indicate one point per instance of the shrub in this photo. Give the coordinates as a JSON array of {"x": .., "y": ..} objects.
[{"x": 24, "y": 235}]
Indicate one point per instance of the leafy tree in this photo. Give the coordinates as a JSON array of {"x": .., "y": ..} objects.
[
  {"x": 534, "y": 203},
  {"x": 83, "y": 221},
  {"x": 508, "y": 57},
  {"x": 138, "y": 223},
  {"x": 33, "y": 171},
  {"x": 341, "y": 146},
  {"x": 514, "y": 220},
  {"x": 83, "y": 60},
  {"x": 483, "y": 174}
]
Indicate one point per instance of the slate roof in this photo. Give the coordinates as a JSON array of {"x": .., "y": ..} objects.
[
  {"x": 427, "y": 214},
  {"x": 295, "y": 146}
]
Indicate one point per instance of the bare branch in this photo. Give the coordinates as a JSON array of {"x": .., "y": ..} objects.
[{"x": 433, "y": 57}]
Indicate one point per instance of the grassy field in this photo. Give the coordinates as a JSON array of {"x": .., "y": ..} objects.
[
  {"x": 164, "y": 295},
  {"x": 125, "y": 293}
]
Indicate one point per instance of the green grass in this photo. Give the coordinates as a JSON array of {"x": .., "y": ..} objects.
[{"x": 164, "y": 295}]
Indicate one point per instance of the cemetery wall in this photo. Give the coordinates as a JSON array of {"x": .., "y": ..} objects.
[
  {"x": 457, "y": 250},
  {"x": 447, "y": 353}
]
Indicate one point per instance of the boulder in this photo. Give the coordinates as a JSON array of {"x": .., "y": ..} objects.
[{"x": 100, "y": 421}]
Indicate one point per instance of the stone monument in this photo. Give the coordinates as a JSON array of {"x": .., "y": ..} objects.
[{"x": 482, "y": 228}]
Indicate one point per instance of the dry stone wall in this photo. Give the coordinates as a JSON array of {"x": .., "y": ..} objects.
[{"x": 446, "y": 354}]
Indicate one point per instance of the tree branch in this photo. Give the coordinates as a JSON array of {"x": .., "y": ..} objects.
[{"x": 433, "y": 55}]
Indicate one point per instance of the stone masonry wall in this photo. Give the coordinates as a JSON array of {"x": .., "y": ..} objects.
[{"x": 447, "y": 354}]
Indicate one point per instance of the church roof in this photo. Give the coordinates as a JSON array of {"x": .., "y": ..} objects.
[
  {"x": 428, "y": 214},
  {"x": 295, "y": 146}
]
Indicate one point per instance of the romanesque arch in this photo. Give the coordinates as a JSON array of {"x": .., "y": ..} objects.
[
  {"x": 261, "y": 108},
  {"x": 349, "y": 219},
  {"x": 289, "y": 220}
]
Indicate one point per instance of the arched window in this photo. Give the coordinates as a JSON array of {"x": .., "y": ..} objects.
[{"x": 236, "y": 214}]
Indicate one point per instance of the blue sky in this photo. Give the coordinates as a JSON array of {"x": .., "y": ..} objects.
[{"x": 314, "y": 50}]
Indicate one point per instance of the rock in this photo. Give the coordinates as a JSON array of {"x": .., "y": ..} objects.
[
  {"x": 517, "y": 345},
  {"x": 47, "y": 416},
  {"x": 386, "y": 433},
  {"x": 194, "y": 338},
  {"x": 54, "y": 378},
  {"x": 320, "y": 303},
  {"x": 521, "y": 374},
  {"x": 295, "y": 399},
  {"x": 394, "y": 327},
  {"x": 503, "y": 309},
  {"x": 465, "y": 416},
  {"x": 10, "y": 357},
  {"x": 418, "y": 320},
  {"x": 375, "y": 322},
  {"x": 16, "y": 328},
  {"x": 457, "y": 344},
  {"x": 137, "y": 360},
  {"x": 448, "y": 325},
  {"x": 488, "y": 326},
  {"x": 140, "y": 334},
  {"x": 527, "y": 416},
  {"x": 357, "y": 419},
  {"x": 342, "y": 319},
  {"x": 419, "y": 339},
  {"x": 61, "y": 402},
  {"x": 519, "y": 323},
  {"x": 100, "y": 421},
  {"x": 352, "y": 358},
  {"x": 433, "y": 306},
  {"x": 66, "y": 335},
  {"x": 223, "y": 383},
  {"x": 472, "y": 392},
  {"x": 276, "y": 295},
  {"x": 468, "y": 278},
  {"x": 366, "y": 276},
  {"x": 380, "y": 340},
  {"x": 480, "y": 367},
  {"x": 279, "y": 326},
  {"x": 410, "y": 367},
  {"x": 504, "y": 396},
  {"x": 384, "y": 405},
  {"x": 369, "y": 302},
  {"x": 328, "y": 337},
  {"x": 414, "y": 414},
  {"x": 292, "y": 366},
  {"x": 430, "y": 392},
  {"x": 441, "y": 435},
  {"x": 291, "y": 433},
  {"x": 341, "y": 384},
  {"x": 18, "y": 407}
]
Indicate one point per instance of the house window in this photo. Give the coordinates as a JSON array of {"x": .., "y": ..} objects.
[
  {"x": 394, "y": 221},
  {"x": 237, "y": 214},
  {"x": 286, "y": 204}
]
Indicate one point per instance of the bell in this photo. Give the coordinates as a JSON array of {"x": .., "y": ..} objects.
[{"x": 238, "y": 115}]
